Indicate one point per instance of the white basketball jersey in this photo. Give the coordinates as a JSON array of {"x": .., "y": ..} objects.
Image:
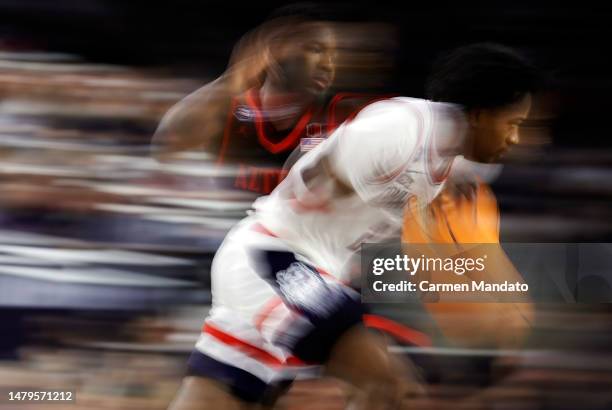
[{"x": 387, "y": 154}]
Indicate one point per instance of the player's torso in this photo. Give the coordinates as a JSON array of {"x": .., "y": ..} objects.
[
  {"x": 254, "y": 144},
  {"x": 329, "y": 231}
]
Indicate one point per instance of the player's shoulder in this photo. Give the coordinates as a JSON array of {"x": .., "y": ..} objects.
[
  {"x": 215, "y": 93},
  {"x": 400, "y": 108},
  {"x": 204, "y": 100},
  {"x": 384, "y": 132},
  {"x": 422, "y": 106},
  {"x": 416, "y": 114},
  {"x": 350, "y": 103},
  {"x": 397, "y": 116}
]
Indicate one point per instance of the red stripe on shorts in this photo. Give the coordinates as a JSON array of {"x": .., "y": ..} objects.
[
  {"x": 253, "y": 351},
  {"x": 400, "y": 332}
]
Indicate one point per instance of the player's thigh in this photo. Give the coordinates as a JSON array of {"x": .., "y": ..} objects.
[
  {"x": 361, "y": 358},
  {"x": 200, "y": 393}
]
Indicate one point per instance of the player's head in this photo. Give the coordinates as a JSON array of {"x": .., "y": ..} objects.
[
  {"x": 302, "y": 48},
  {"x": 494, "y": 84}
]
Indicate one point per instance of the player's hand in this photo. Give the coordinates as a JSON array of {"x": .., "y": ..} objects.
[
  {"x": 461, "y": 188},
  {"x": 252, "y": 57},
  {"x": 452, "y": 218},
  {"x": 471, "y": 220}
]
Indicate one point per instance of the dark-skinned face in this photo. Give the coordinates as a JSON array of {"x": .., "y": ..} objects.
[
  {"x": 494, "y": 130},
  {"x": 307, "y": 60}
]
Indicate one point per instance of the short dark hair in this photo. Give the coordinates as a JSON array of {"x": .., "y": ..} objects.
[
  {"x": 484, "y": 75},
  {"x": 286, "y": 21},
  {"x": 306, "y": 11}
]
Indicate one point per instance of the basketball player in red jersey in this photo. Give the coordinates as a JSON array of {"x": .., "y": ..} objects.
[{"x": 273, "y": 99}]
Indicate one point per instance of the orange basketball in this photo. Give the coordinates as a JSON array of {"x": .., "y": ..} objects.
[{"x": 451, "y": 219}]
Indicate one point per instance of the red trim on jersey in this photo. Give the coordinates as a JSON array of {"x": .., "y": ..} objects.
[
  {"x": 383, "y": 179},
  {"x": 275, "y": 302},
  {"x": 301, "y": 207},
  {"x": 317, "y": 205},
  {"x": 258, "y": 227},
  {"x": 323, "y": 272},
  {"x": 285, "y": 322},
  {"x": 439, "y": 178},
  {"x": 226, "y": 132},
  {"x": 266, "y": 311},
  {"x": 331, "y": 119},
  {"x": 253, "y": 351},
  {"x": 397, "y": 330},
  {"x": 252, "y": 99}
]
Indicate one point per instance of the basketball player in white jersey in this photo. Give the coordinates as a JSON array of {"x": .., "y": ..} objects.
[{"x": 280, "y": 297}]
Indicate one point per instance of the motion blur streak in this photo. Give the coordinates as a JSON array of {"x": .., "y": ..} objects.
[{"x": 105, "y": 253}]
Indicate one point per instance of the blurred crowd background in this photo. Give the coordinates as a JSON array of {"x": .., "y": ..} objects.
[{"x": 105, "y": 253}]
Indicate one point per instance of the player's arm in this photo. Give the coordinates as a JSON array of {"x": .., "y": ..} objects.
[
  {"x": 194, "y": 123},
  {"x": 197, "y": 122},
  {"x": 371, "y": 151}
]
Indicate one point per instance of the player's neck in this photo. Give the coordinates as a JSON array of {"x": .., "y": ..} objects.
[
  {"x": 274, "y": 96},
  {"x": 281, "y": 107},
  {"x": 467, "y": 149}
]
